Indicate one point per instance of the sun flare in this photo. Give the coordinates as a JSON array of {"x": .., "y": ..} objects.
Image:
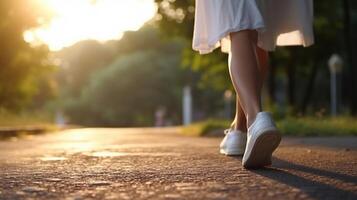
[{"x": 100, "y": 20}]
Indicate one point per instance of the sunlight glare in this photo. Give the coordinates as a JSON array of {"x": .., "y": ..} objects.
[{"x": 100, "y": 20}]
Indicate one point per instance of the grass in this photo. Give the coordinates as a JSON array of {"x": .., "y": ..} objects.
[
  {"x": 39, "y": 122},
  {"x": 292, "y": 126},
  {"x": 21, "y": 124},
  {"x": 9, "y": 119},
  {"x": 205, "y": 127},
  {"x": 312, "y": 126}
]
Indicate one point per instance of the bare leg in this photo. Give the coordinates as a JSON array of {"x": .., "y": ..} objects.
[
  {"x": 245, "y": 73},
  {"x": 240, "y": 121},
  {"x": 263, "y": 63}
]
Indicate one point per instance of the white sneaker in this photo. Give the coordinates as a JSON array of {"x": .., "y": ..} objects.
[
  {"x": 263, "y": 139},
  {"x": 233, "y": 144}
]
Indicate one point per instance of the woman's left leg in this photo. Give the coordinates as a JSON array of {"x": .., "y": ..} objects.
[{"x": 263, "y": 62}]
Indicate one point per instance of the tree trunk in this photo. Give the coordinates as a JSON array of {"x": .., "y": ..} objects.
[
  {"x": 309, "y": 89},
  {"x": 350, "y": 59},
  {"x": 290, "y": 70},
  {"x": 271, "y": 80}
]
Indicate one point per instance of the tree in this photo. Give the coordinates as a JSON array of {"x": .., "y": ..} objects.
[
  {"x": 128, "y": 92},
  {"x": 177, "y": 20},
  {"x": 22, "y": 67},
  {"x": 141, "y": 74},
  {"x": 79, "y": 62}
]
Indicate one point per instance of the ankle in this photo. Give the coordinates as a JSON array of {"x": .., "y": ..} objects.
[
  {"x": 251, "y": 119},
  {"x": 240, "y": 127}
]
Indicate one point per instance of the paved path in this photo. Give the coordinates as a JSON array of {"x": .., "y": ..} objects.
[{"x": 159, "y": 164}]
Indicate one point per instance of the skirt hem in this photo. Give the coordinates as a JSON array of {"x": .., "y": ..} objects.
[{"x": 213, "y": 44}]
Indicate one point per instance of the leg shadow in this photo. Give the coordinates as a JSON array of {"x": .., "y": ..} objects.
[
  {"x": 283, "y": 164},
  {"x": 311, "y": 187}
]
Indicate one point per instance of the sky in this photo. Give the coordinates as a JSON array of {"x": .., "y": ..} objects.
[{"x": 101, "y": 20}]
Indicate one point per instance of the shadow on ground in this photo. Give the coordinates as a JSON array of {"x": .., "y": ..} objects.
[{"x": 281, "y": 172}]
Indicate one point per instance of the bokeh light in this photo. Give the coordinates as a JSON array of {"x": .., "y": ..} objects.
[{"x": 100, "y": 20}]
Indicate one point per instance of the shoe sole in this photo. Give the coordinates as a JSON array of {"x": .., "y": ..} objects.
[
  {"x": 232, "y": 152},
  {"x": 262, "y": 149}
]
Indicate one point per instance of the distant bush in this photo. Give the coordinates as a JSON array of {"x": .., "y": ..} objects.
[{"x": 128, "y": 92}]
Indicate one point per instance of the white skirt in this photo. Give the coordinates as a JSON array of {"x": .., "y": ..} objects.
[{"x": 278, "y": 22}]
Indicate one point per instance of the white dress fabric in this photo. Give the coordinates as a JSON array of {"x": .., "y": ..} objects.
[{"x": 278, "y": 22}]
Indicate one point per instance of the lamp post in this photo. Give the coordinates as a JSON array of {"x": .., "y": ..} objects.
[
  {"x": 187, "y": 105},
  {"x": 335, "y": 64}
]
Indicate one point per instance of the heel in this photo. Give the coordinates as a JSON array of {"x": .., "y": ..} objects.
[{"x": 263, "y": 149}]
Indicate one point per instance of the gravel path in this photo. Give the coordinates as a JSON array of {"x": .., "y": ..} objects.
[{"x": 160, "y": 164}]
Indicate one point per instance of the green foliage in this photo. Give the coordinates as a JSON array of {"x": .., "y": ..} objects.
[
  {"x": 176, "y": 17},
  {"x": 207, "y": 75},
  {"x": 177, "y": 20},
  {"x": 23, "y": 69},
  {"x": 127, "y": 89},
  {"x": 79, "y": 62}
]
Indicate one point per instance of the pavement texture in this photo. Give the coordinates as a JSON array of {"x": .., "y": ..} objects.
[{"x": 150, "y": 163}]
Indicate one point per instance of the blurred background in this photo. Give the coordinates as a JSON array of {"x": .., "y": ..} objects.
[{"x": 121, "y": 63}]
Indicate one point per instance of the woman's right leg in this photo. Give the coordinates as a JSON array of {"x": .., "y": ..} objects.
[{"x": 240, "y": 121}]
